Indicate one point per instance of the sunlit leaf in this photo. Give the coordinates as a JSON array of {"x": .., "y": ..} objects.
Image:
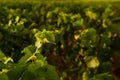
[
  {"x": 38, "y": 44},
  {"x": 92, "y": 62},
  {"x": 45, "y": 37},
  {"x": 91, "y": 15},
  {"x": 29, "y": 51},
  {"x": 17, "y": 19},
  {"x": 8, "y": 59}
]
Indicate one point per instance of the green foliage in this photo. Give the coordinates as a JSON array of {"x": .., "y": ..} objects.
[
  {"x": 78, "y": 39},
  {"x": 3, "y": 76},
  {"x": 103, "y": 76},
  {"x": 88, "y": 38},
  {"x": 2, "y": 55},
  {"x": 45, "y": 37}
]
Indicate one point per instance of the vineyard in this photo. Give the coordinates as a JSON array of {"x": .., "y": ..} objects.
[{"x": 60, "y": 41}]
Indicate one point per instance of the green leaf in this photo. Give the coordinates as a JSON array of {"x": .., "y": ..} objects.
[
  {"x": 32, "y": 67},
  {"x": 104, "y": 25},
  {"x": 105, "y": 41},
  {"x": 108, "y": 11},
  {"x": 2, "y": 56},
  {"x": 16, "y": 71},
  {"x": 41, "y": 58},
  {"x": 28, "y": 76},
  {"x": 51, "y": 73},
  {"x": 45, "y": 37},
  {"x": 29, "y": 51},
  {"x": 2, "y": 65},
  {"x": 3, "y": 76},
  {"x": 33, "y": 57},
  {"x": 38, "y": 44},
  {"x": 49, "y": 14},
  {"x": 59, "y": 21},
  {"x": 8, "y": 59},
  {"x": 92, "y": 61},
  {"x": 17, "y": 19},
  {"x": 103, "y": 76},
  {"x": 88, "y": 37},
  {"x": 34, "y": 72},
  {"x": 91, "y": 14},
  {"x": 78, "y": 23},
  {"x": 115, "y": 28}
]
